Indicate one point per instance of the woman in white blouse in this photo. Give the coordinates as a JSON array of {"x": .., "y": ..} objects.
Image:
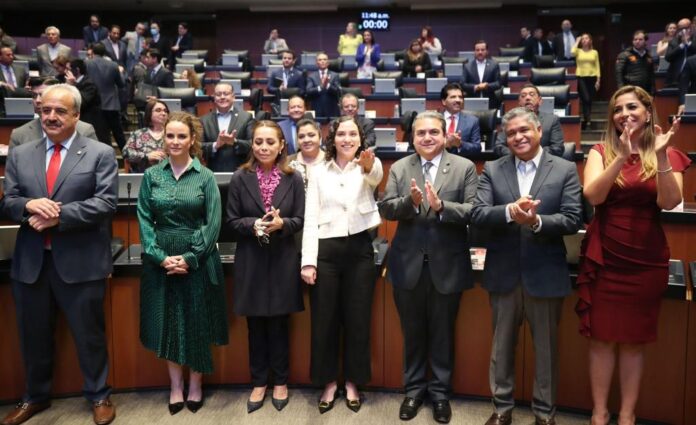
[{"x": 338, "y": 260}]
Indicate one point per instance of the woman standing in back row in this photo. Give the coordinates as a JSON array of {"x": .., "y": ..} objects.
[{"x": 588, "y": 74}]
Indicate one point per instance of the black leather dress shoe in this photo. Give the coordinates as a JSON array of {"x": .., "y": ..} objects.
[
  {"x": 498, "y": 419},
  {"x": 409, "y": 408},
  {"x": 442, "y": 412}
]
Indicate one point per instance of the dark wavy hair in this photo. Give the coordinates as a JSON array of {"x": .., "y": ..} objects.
[{"x": 331, "y": 140}]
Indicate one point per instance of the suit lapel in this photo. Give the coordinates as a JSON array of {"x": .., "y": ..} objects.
[
  {"x": 510, "y": 173},
  {"x": 251, "y": 183},
  {"x": 77, "y": 151},
  {"x": 417, "y": 173},
  {"x": 442, "y": 171},
  {"x": 282, "y": 190},
  {"x": 40, "y": 165},
  {"x": 233, "y": 120},
  {"x": 542, "y": 172}
]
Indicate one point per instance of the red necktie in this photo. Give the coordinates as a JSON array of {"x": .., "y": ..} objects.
[
  {"x": 452, "y": 129},
  {"x": 53, "y": 168}
]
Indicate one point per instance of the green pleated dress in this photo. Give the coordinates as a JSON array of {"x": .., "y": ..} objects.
[{"x": 181, "y": 315}]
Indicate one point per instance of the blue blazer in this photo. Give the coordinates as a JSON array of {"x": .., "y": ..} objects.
[
  {"x": 374, "y": 56},
  {"x": 491, "y": 75},
  {"x": 295, "y": 79},
  {"x": 514, "y": 253},
  {"x": 470, "y": 132},
  {"x": 286, "y": 126},
  {"x": 324, "y": 100}
]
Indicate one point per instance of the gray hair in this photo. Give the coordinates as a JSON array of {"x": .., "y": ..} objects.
[
  {"x": 431, "y": 114},
  {"x": 49, "y": 28},
  {"x": 521, "y": 112},
  {"x": 74, "y": 93}
]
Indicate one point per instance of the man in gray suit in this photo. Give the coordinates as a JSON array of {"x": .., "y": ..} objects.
[
  {"x": 115, "y": 47},
  {"x": 32, "y": 130},
  {"x": 430, "y": 193},
  {"x": 526, "y": 201},
  {"x": 135, "y": 41},
  {"x": 62, "y": 190},
  {"x": 105, "y": 74},
  {"x": 13, "y": 78},
  {"x": 552, "y": 132},
  {"x": 227, "y": 132},
  {"x": 47, "y": 52}
]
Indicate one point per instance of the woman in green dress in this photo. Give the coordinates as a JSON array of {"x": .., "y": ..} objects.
[{"x": 182, "y": 299}]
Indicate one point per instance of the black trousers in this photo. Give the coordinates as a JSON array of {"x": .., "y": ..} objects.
[
  {"x": 268, "y": 350},
  {"x": 342, "y": 299},
  {"x": 427, "y": 323},
  {"x": 112, "y": 119},
  {"x": 83, "y": 307},
  {"x": 586, "y": 91}
]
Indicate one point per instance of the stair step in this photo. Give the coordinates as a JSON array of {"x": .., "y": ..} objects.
[{"x": 591, "y": 135}]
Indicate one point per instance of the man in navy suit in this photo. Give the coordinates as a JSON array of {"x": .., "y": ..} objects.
[
  {"x": 286, "y": 78},
  {"x": 463, "y": 132},
  {"x": 94, "y": 32},
  {"x": 536, "y": 46},
  {"x": 482, "y": 75},
  {"x": 323, "y": 89},
  {"x": 62, "y": 190},
  {"x": 226, "y": 132},
  {"x": 527, "y": 201},
  {"x": 116, "y": 49},
  {"x": 296, "y": 111}
]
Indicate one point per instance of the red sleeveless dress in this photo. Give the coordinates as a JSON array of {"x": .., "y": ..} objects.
[{"x": 624, "y": 265}]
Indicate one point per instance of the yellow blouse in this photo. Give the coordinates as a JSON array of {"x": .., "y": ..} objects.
[
  {"x": 348, "y": 45},
  {"x": 587, "y": 62}
]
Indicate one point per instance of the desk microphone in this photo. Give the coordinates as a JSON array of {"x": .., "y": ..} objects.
[{"x": 128, "y": 241}]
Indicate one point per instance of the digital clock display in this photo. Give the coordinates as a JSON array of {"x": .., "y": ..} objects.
[{"x": 375, "y": 21}]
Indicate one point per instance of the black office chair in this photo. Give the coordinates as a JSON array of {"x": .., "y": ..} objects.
[
  {"x": 245, "y": 77},
  {"x": 262, "y": 115},
  {"x": 487, "y": 126},
  {"x": 397, "y": 63},
  {"x": 343, "y": 79},
  {"x": 408, "y": 93},
  {"x": 187, "y": 95},
  {"x": 336, "y": 65},
  {"x": 512, "y": 51},
  {"x": 504, "y": 78},
  {"x": 568, "y": 151},
  {"x": 198, "y": 65},
  {"x": 514, "y": 61},
  {"x": 396, "y": 75},
  {"x": 547, "y": 76},
  {"x": 543, "y": 61},
  {"x": 454, "y": 59},
  {"x": 356, "y": 91},
  {"x": 560, "y": 94},
  {"x": 290, "y": 92},
  {"x": 399, "y": 55},
  {"x": 275, "y": 61},
  {"x": 256, "y": 100},
  {"x": 407, "y": 126},
  {"x": 242, "y": 54}
]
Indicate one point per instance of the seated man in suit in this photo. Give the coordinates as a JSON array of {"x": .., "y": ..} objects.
[
  {"x": 527, "y": 202},
  {"x": 551, "y": 130},
  {"x": 349, "y": 106},
  {"x": 482, "y": 75},
  {"x": 430, "y": 193},
  {"x": 227, "y": 132},
  {"x": 48, "y": 52},
  {"x": 682, "y": 46},
  {"x": 323, "y": 89},
  {"x": 536, "y": 46},
  {"x": 296, "y": 111},
  {"x": 32, "y": 130},
  {"x": 13, "y": 78},
  {"x": 286, "y": 78},
  {"x": 463, "y": 132},
  {"x": 94, "y": 32}
]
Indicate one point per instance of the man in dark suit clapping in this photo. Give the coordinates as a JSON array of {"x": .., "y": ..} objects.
[
  {"x": 323, "y": 89},
  {"x": 482, "y": 75},
  {"x": 62, "y": 190}
]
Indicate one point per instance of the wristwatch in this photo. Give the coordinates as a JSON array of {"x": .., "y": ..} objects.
[{"x": 535, "y": 226}]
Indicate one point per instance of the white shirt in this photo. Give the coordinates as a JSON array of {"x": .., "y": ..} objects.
[
  {"x": 448, "y": 120},
  {"x": 53, "y": 51},
  {"x": 117, "y": 52},
  {"x": 481, "y": 67},
  {"x": 524, "y": 181},
  {"x": 63, "y": 152},
  {"x": 433, "y": 170},
  {"x": 340, "y": 202},
  {"x": 223, "y": 120}
]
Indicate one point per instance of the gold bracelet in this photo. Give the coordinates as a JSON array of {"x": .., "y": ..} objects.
[{"x": 665, "y": 171}]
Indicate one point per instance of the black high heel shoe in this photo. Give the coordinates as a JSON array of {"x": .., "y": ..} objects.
[
  {"x": 253, "y": 406},
  {"x": 354, "y": 405},
  {"x": 175, "y": 408},
  {"x": 325, "y": 406},
  {"x": 195, "y": 406}
]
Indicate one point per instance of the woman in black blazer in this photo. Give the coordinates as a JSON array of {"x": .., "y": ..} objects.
[
  {"x": 416, "y": 60},
  {"x": 265, "y": 208}
]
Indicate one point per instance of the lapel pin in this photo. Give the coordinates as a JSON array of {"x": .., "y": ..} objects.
[
  {"x": 445, "y": 170},
  {"x": 79, "y": 152}
]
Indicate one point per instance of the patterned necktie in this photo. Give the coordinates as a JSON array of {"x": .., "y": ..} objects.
[
  {"x": 426, "y": 171},
  {"x": 53, "y": 168},
  {"x": 9, "y": 76}
]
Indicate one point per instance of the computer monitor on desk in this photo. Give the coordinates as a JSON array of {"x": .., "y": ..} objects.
[
  {"x": 690, "y": 104},
  {"x": 230, "y": 59},
  {"x": 547, "y": 104},
  {"x": 385, "y": 138},
  {"x": 469, "y": 56},
  {"x": 19, "y": 107},
  {"x": 476, "y": 103},
  {"x": 181, "y": 83},
  {"x": 270, "y": 69},
  {"x": 384, "y": 86},
  {"x": 129, "y": 185},
  {"x": 454, "y": 70},
  {"x": 416, "y": 104},
  {"x": 174, "y": 105},
  {"x": 389, "y": 59}
]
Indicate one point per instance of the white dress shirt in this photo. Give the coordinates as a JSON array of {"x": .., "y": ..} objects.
[
  {"x": 448, "y": 120},
  {"x": 481, "y": 67},
  {"x": 63, "y": 152},
  {"x": 340, "y": 202},
  {"x": 525, "y": 180}
]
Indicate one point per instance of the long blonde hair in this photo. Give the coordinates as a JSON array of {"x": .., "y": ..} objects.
[{"x": 646, "y": 144}]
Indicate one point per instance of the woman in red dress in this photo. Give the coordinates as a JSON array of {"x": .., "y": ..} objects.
[{"x": 629, "y": 178}]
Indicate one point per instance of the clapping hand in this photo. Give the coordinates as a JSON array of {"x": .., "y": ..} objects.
[
  {"x": 625, "y": 141},
  {"x": 454, "y": 140},
  {"x": 225, "y": 138},
  {"x": 523, "y": 211},
  {"x": 366, "y": 160},
  {"x": 416, "y": 194},
  {"x": 662, "y": 139},
  {"x": 433, "y": 199}
]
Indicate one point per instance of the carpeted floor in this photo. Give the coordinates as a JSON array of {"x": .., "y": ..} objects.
[{"x": 225, "y": 406}]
